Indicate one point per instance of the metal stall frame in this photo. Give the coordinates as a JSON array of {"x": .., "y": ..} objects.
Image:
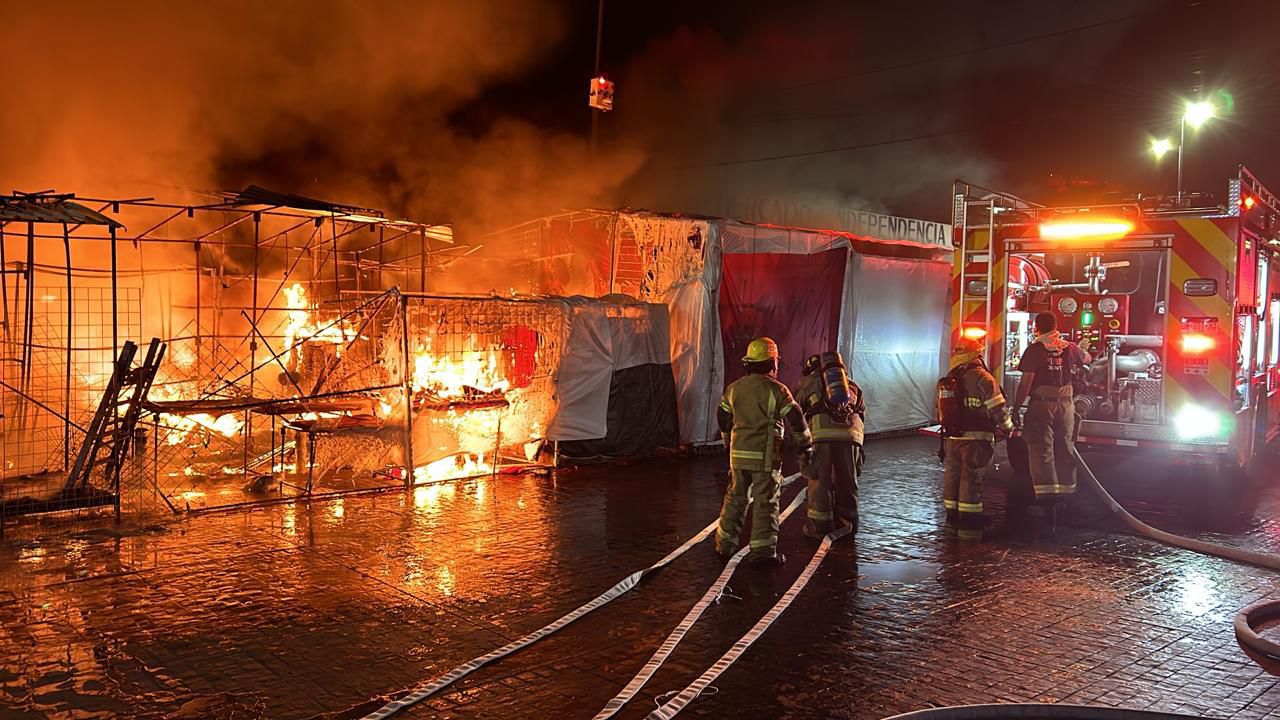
[{"x": 212, "y": 229}]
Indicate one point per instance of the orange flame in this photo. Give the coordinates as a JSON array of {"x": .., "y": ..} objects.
[
  {"x": 446, "y": 377},
  {"x": 462, "y": 465},
  {"x": 299, "y": 326}
]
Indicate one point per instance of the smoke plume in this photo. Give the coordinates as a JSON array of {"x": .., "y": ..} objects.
[{"x": 338, "y": 99}]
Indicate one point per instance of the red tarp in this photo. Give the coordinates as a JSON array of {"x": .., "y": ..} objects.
[{"x": 794, "y": 299}]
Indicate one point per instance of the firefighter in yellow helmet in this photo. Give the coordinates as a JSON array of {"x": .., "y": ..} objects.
[
  {"x": 837, "y": 427},
  {"x": 974, "y": 414},
  {"x": 754, "y": 413}
]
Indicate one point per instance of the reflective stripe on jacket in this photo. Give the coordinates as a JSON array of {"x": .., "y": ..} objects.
[
  {"x": 985, "y": 403},
  {"x": 759, "y": 406}
]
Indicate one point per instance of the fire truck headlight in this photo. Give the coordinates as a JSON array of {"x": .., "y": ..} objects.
[{"x": 1193, "y": 422}]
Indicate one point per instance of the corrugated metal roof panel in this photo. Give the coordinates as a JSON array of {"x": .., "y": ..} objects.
[{"x": 42, "y": 210}]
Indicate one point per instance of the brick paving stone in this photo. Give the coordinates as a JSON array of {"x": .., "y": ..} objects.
[{"x": 296, "y": 611}]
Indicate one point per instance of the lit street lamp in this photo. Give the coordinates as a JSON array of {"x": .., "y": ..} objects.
[{"x": 1196, "y": 114}]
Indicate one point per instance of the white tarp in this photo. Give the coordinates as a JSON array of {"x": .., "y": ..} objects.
[
  {"x": 901, "y": 310},
  {"x": 603, "y": 337},
  {"x": 892, "y": 319}
]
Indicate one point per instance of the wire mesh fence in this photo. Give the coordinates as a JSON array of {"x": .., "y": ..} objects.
[{"x": 57, "y": 361}]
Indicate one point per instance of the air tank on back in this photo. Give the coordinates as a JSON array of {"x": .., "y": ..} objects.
[{"x": 835, "y": 380}]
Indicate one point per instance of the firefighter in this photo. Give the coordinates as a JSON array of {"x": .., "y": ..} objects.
[
  {"x": 974, "y": 416},
  {"x": 1047, "y": 368},
  {"x": 837, "y": 450},
  {"x": 754, "y": 413}
]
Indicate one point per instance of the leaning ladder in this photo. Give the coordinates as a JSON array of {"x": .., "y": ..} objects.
[{"x": 107, "y": 438}]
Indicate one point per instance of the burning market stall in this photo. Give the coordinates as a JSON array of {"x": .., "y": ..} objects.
[{"x": 234, "y": 284}]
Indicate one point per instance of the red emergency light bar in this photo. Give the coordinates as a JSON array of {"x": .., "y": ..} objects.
[{"x": 1079, "y": 229}]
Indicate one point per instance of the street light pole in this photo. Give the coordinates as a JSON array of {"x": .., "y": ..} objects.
[{"x": 1182, "y": 141}]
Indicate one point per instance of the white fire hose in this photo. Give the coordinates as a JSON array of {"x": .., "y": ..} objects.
[{"x": 435, "y": 685}]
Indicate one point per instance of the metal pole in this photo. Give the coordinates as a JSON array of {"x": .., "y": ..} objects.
[
  {"x": 337, "y": 281},
  {"x": 29, "y": 307},
  {"x": 422, "y": 261},
  {"x": 253, "y": 344},
  {"x": 991, "y": 276},
  {"x": 497, "y": 446},
  {"x": 613, "y": 252},
  {"x": 198, "y": 283},
  {"x": 408, "y": 394},
  {"x": 155, "y": 453},
  {"x": 1182, "y": 141},
  {"x": 4, "y": 287},
  {"x": 115, "y": 301},
  {"x": 66, "y": 386},
  {"x": 595, "y": 114}
]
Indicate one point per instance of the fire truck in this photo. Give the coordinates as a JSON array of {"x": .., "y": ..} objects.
[{"x": 1177, "y": 300}]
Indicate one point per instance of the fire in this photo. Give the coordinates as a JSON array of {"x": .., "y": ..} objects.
[
  {"x": 299, "y": 326},
  {"x": 446, "y": 377},
  {"x": 461, "y": 465},
  {"x": 180, "y": 425},
  {"x": 182, "y": 356}
]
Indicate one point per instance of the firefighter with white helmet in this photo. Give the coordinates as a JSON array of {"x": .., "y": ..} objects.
[
  {"x": 834, "y": 407},
  {"x": 1047, "y": 367},
  {"x": 974, "y": 414},
  {"x": 754, "y": 414}
]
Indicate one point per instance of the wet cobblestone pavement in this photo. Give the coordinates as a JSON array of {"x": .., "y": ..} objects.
[{"x": 298, "y": 611}]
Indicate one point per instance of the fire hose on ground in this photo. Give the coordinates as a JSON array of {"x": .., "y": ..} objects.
[
  {"x": 1249, "y": 618},
  {"x": 1245, "y": 623}
]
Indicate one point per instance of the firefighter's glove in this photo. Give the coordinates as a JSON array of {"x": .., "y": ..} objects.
[
  {"x": 806, "y": 456},
  {"x": 1003, "y": 433}
]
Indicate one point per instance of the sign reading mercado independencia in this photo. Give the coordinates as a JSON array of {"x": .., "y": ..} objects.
[{"x": 829, "y": 217}]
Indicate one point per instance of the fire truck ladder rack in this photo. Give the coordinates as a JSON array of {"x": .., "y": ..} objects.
[
  {"x": 970, "y": 203},
  {"x": 109, "y": 434}
]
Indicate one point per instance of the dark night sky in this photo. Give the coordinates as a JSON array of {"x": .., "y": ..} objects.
[
  {"x": 1011, "y": 92},
  {"x": 474, "y": 111}
]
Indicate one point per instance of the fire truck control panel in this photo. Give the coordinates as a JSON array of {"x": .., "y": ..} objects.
[{"x": 1090, "y": 317}]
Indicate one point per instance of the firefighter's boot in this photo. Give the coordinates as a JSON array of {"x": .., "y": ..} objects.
[
  {"x": 816, "y": 529},
  {"x": 766, "y": 559}
]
